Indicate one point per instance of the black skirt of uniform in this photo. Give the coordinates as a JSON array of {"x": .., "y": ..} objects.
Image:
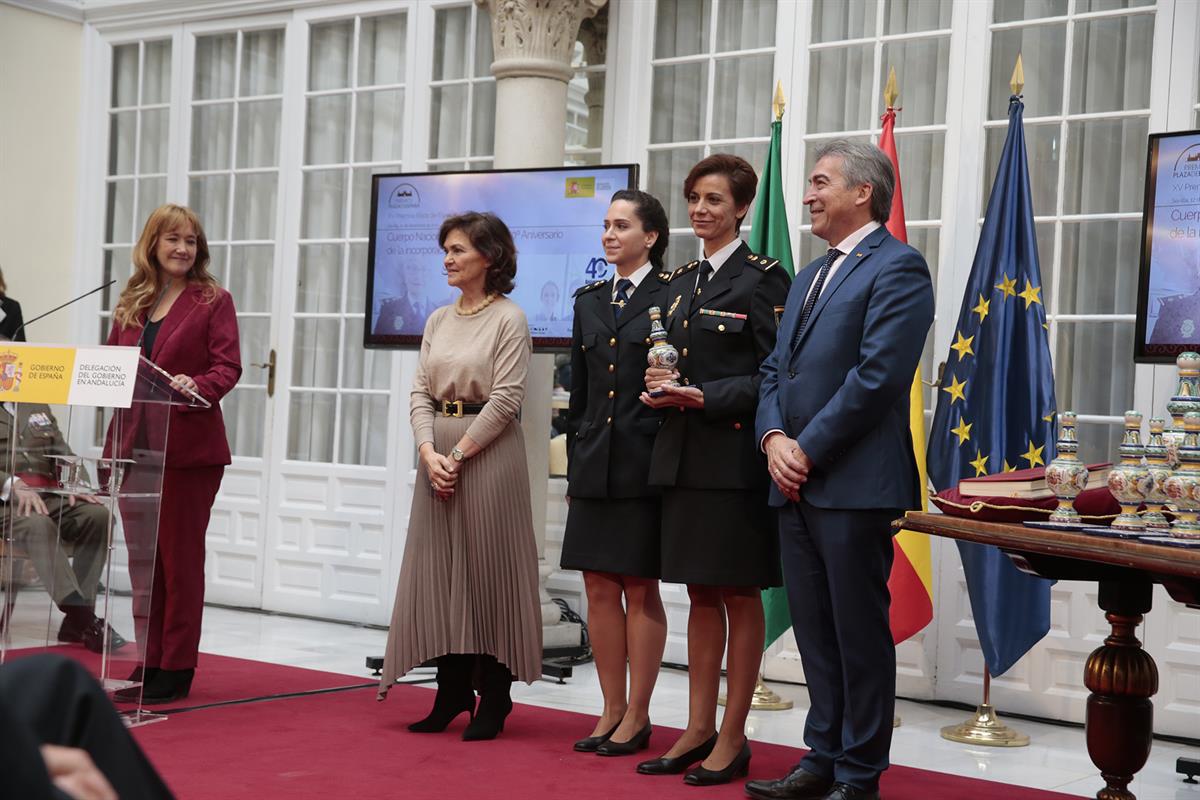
[
  {"x": 618, "y": 536},
  {"x": 719, "y": 537}
]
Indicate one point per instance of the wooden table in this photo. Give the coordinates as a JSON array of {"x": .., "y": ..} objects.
[{"x": 1120, "y": 675}]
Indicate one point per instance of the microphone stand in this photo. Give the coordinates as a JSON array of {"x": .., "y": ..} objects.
[{"x": 64, "y": 305}]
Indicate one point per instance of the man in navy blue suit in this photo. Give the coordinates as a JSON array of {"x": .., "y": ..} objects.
[{"x": 833, "y": 421}]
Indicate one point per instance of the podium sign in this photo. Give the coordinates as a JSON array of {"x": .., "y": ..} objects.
[{"x": 101, "y": 377}]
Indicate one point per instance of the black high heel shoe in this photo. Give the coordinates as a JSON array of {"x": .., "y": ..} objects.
[
  {"x": 590, "y": 743},
  {"x": 737, "y": 768},
  {"x": 454, "y": 694},
  {"x": 676, "y": 765},
  {"x": 640, "y": 741}
]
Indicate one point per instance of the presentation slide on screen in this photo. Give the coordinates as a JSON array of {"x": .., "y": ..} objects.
[
  {"x": 556, "y": 218},
  {"x": 1173, "y": 245}
]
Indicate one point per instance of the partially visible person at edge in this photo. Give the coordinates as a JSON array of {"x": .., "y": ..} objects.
[
  {"x": 613, "y": 520},
  {"x": 718, "y": 535},
  {"x": 183, "y": 321},
  {"x": 833, "y": 421},
  {"x": 468, "y": 594},
  {"x": 11, "y": 321}
]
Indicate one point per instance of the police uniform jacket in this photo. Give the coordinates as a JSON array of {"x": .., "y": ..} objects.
[
  {"x": 610, "y": 432},
  {"x": 37, "y": 437},
  {"x": 723, "y": 334}
]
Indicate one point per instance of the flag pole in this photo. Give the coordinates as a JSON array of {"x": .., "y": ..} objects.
[
  {"x": 985, "y": 728},
  {"x": 891, "y": 93}
]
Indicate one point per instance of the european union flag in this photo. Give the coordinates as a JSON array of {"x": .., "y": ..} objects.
[{"x": 995, "y": 408}]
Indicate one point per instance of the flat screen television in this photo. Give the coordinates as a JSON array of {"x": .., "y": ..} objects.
[
  {"x": 556, "y": 216},
  {"x": 1168, "y": 309}
]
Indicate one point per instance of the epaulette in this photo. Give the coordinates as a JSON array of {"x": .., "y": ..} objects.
[
  {"x": 762, "y": 262},
  {"x": 686, "y": 268},
  {"x": 587, "y": 287},
  {"x": 664, "y": 276}
]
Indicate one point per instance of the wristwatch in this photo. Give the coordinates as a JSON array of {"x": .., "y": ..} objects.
[{"x": 458, "y": 455}]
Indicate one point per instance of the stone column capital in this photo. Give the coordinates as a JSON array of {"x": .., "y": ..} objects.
[{"x": 535, "y": 38}]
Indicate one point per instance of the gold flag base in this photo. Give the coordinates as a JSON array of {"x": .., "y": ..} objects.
[
  {"x": 985, "y": 729},
  {"x": 764, "y": 699}
]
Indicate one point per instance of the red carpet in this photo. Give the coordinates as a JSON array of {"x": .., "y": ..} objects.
[
  {"x": 220, "y": 679},
  {"x": 346, "y": 745}
]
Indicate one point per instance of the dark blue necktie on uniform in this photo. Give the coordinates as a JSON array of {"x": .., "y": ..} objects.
[
  {"x": 815, "y": 293},
  {"x": 622, "y": 297},
  {"x": 706, "y": 271}
]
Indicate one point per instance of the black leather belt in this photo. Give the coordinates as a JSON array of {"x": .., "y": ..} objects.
[{"x": 457, "y": 408}]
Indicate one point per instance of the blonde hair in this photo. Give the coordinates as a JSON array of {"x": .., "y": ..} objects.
[{"x": 146, "y": 281}]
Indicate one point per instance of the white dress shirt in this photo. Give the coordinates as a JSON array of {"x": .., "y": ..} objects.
[
  {"x": 718, "y": 259},
  {"x": 636, "y": 277}
]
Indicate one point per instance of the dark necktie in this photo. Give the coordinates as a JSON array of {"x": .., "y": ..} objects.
[
  {"x": 622, "y": 297},
  {"x": 706, "y": 271},
  {"x": 815, "y": 293}
]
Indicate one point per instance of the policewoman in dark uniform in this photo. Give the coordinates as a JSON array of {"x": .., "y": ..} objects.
[
  {"x": 613, "y": 520},
  {"x": 718, "y": 535}
]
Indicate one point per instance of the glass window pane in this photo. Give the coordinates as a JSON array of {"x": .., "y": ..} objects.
[
  {"x": 329, "y": 48},
  {"x": 319, "y": 279},
  {"x": 921, "y": 157},
  {"x": 254, "y": 336},
  {"x": 209, "y": 197},
  {"x": 1085, "y": 6},
  {"x": 258, "y": 134},
  {"x": 1017, "y": 10},
  {"x": 262, "y": 63},
  {"x": 742, "y": 84},
  {"x": 250, "y": 276},
  {"x": 156, "y": 76},
  {"x": 151, "y": 193},
  {"x": 219, "y": 267},
  {"x": 922, "y": 71},
  {"x": 927, "y": 241},
  {"x": 835, "y": 20},
  {"x": 315, "y": 354},
  {"x": 122, "y": 140},
  {"x": 1099, "y": 269},
  {"x": 328, "y": 133},
  {"x": 1106, "y": 166},
  {"x": 1043, "y": 52},
  {"x": 1098, "y": 441},
  {"x": 310, "y": 426},
  {"x": 585, "y": 110},
  {"x": 681, "y": 27},
  {"x": 483, "y": 119},
  {"x": 216, "y": 66},
  {"x": 1110, "y": 68},
  {"x": 244, "y": 410},
  {"x": 364, "y": 426},
  {"x": 118, "y": 266},
  {"x": 125, "y": 75},
  {"x": 324, "y": 204},
  {"x": 910, "y": 16},
  {"x": 447, "y": 121},
  {"x": 362, "y": 369},
  {"x": 382, "y": 46},
  {"x": 839, "y": 89},
  {"x": 119, "y": 224},
  {"x": 667, "y": 169},
  {"x": 360, "y": 198},
  {"x": 451, "y": 39},
  {"x": 356, "y": 279},
  {"x": 746, "y": 24},
  {"x": 1093, "y": 367},
  {"x": 153, "y": 157},
  {"x": 1042, "y": 148},
  {"x": 254, "y": 205},
  {"x": 683, "y": 247},
  {"x": 212, "y": 130},
  {"x": 483, "y": 43},
  {"x": 683, "y": 88},
  {"x": 379, "y": 125}
]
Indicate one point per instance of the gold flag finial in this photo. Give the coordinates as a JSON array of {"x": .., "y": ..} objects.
[
  {"x": 890, "y": 92},
  {"x": 778, "y": 102},
  {"x": 1018, "y": 77}
]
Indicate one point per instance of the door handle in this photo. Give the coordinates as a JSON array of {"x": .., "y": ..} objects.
[{"x": 270, "y": 368}]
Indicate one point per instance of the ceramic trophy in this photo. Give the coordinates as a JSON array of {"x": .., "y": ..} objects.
[
  {"x": 1185, "y": 399},
  {"x": 1184, "y": 482},
  {"x": 1129, "y": 481},
  {"x": 1066, "y": 475},
  {"x": 1160, "y": 470},
  {"x": 663, "y": 354}
]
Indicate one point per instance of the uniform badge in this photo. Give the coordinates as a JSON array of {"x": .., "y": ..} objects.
[
  {"x": 674, "y": 304},
  {"x": 779, "y": 315}
]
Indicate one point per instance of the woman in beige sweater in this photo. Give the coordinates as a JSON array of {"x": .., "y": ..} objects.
[{"x": 468, "y": 594}]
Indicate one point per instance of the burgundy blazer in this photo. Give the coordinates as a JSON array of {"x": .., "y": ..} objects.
[{"x": 198, "y": 339}]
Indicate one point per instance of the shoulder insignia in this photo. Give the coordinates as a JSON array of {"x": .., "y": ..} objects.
[
  {"x": 685, "y": 269},
  {"x": 762, "y": 262},
  {"x": 664, "y": 276},
  {"x": 587, "y": 287}
]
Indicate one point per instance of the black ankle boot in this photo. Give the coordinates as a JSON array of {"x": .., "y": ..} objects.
[
  {"x": 454, "y": 694},
  {"x": 167, "y": 686},
  {"x": 495, "y": 702}
]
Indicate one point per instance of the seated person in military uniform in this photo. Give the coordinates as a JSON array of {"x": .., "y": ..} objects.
[{"x": 43, "y": 524}]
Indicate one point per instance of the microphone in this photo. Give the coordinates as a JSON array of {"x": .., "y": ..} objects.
[
  {"x": 64, "y": 305},
  {"x": 150, "y": 313}
]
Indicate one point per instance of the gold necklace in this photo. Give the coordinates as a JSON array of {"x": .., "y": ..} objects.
[{"x": 470, "y": 312}]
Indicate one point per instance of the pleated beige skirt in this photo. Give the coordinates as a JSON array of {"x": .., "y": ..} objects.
[{"x": 469, "y": 580}]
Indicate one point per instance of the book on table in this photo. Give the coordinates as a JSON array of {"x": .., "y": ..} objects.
[{"x": 1029, "y": 484}]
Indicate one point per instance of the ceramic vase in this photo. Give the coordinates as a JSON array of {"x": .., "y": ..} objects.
[
  {"x": 1160, "y": 470},
  {"x": 1066, "y": 475},
  {"x": 1129, "y": 481},
  {"x": 662, "y": 353},
  {"x": 1183, "y": 485}
]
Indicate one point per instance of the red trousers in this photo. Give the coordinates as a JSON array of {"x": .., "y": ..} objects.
[{"x": 168, "y": 580}]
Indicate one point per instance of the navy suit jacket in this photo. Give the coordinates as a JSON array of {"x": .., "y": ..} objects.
[{"x": 842, "y": 392}]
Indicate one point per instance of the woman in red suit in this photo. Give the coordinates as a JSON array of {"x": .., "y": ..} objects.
[{"x": 185, "y": 323}]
